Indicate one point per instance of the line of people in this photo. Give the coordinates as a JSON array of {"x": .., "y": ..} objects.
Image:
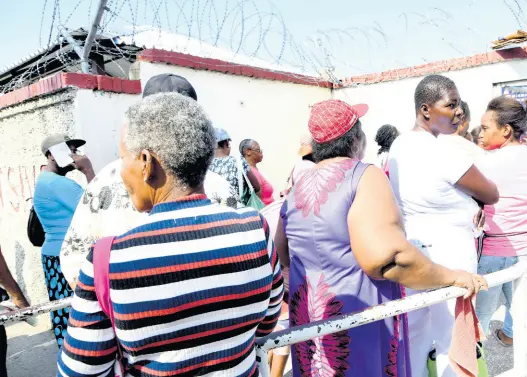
[{"x": 193, "y": 273}]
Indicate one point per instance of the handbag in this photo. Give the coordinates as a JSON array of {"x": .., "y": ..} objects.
[
  {"x": 483, "y": 236},
  {"x": 35, "y": 231},
  {"x": 101, "y": 279},
  {"x": 247, "y": 194},
  {"x": 480, "y": 354}
]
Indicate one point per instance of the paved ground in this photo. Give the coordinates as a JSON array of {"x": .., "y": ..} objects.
[{"x": 32, "y": 351}]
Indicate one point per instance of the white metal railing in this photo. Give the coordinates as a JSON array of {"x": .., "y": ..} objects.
[
  {"x": 33, "y": 311},
  {"x": 316, "y": 329},
  {"x": 348, "y": 321}
]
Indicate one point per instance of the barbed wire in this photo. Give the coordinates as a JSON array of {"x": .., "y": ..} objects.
[{"x": 253, "y": 32}]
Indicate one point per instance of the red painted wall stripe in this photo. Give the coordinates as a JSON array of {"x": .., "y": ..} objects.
[
  {"x": 492, "y": 57},
  {"x": 70, "y": 79},
  {"x": 216, "y": 65}
]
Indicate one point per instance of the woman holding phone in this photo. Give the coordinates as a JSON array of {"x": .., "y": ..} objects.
[{"x": 55, "y": 200}]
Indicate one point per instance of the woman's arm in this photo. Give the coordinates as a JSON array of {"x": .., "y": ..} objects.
[
  {"x": 379, "y": 243},
  {"x": 280, "y": 243},
  {"x": 7, "y": 281},
  {"x": 474, "y": 183},
  {"x": 254, "y": 182}
]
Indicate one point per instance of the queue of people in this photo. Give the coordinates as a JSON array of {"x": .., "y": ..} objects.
[{"x": 193, "y": 275}]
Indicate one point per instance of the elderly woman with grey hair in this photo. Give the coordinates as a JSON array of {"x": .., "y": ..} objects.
[{"x": 192, "y": 285}]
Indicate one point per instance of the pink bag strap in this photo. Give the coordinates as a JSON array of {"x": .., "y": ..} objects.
[
  {"x": 101, "y": 279},
  {"x": 101, "y": 274}
]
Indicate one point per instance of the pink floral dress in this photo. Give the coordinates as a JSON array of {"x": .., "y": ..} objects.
[{"x": 326, "y": 281}]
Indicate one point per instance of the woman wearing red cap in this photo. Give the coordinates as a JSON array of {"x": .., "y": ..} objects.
[
  {"x": 338, "y": 203},
  {"x": 437, "y": 187}
]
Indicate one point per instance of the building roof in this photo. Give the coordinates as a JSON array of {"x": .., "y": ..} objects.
[{"x": 111, "y": 57}]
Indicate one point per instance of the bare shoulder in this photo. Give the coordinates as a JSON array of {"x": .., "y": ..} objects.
[{"x": 373, "y": 178}]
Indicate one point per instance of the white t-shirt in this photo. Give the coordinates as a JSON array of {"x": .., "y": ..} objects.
[
  {"x": 465, "y": 146},
  {"x": 437, "y": 215},
  {"x": 106, "y": 210}
]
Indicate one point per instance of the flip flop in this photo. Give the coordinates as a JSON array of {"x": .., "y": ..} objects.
[{"x": 497, "y": 336}]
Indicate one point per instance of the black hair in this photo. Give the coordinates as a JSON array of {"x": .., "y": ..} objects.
[
  {"x": 308, "y": 157},
  {"x": 169, "y": 83},
  {"x": 509, "y": 111},
  {"x": 348, "y": 145},
  {"x": 432, "y": 89},
  {"x": 223, "y": 144},
  {"x": 475, "y": 134},
  {"x": 466, "y": 110},
  {"x": 386, "y": 135},
  {"x": 244, "y": 145}
]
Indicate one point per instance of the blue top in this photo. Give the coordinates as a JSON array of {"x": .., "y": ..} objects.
[{"x": 55, "y": 200}]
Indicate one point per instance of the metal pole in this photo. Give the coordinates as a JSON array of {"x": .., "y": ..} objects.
[
  {"x": 76, "y": 46},
  {"x": 377, "y": 313},
  {"x": 85, "y": 64},
  {"x": 33, "y": 311}
]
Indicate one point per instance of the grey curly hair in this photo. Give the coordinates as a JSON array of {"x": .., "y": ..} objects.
[{"x": 176, "y": 129}]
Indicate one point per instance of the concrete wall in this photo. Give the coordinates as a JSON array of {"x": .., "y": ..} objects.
[
  {"x": 392, "y": 102},
  {"x": 22, "y": 128},
  {"x": 98, "y": 116},
  {"x": 272, "y": 112},
  {"x": 93, "y": 115}
]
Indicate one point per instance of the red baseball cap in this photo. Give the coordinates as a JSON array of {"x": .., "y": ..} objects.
[{"x": 331, "y": 119}]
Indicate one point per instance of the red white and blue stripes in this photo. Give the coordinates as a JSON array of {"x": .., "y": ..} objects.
[{"x": 191, "y": 289}]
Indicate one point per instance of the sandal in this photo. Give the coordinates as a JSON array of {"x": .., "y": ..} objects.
[{"x": 501, "y": 342}]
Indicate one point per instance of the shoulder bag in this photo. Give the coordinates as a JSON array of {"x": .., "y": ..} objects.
[
  {"x": 246, "y": 191},
  {"x": 35, "y": 231}
]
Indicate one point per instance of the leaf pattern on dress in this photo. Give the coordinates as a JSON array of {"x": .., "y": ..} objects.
[
  {"x": 313, "y": 188},
  {"x": 323, "y": 356}
]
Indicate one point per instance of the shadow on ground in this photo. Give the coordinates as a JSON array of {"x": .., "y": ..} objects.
[{"x": 31, "y": 351}]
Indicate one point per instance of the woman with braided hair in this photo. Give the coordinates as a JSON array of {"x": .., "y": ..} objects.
[{"x": 386, "y": 135}]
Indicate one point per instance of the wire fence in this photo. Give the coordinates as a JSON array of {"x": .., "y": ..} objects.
[{"x": 255, "y": 32}]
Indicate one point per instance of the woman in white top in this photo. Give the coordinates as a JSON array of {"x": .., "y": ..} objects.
[{"x": 437, "y": 186}]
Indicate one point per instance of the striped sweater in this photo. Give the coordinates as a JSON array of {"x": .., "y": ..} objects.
[{"x": 191, "y": 289}]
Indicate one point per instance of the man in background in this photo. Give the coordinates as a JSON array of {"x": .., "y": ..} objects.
[
  {"x": 106, "y": 208},
  {"x": 55, "y": 200}
]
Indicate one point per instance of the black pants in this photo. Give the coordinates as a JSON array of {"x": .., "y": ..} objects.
[{"x": 3, "y": 352}]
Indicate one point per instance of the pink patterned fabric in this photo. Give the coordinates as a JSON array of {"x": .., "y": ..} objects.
[
  {"x": 316, "y": 184},
  {"x": 325, "y": 356},
  {"x": 331, "y": 119}
]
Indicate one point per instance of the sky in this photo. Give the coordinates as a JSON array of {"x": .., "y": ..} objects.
[{"x": 348, "y": 37}]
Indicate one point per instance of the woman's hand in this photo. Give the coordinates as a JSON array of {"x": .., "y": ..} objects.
[
  {"x": 20, "y": 301},
  {"x": 472, "y": 282}
]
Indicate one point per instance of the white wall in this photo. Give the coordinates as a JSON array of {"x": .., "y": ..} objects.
[
  {"x": 22, "y": 129},
  {"x": 272, "y": 112},
  {"x": 99, "y": 116},
  {"x": 95, "y": 116},
  {"x": 392, "y": 102}
]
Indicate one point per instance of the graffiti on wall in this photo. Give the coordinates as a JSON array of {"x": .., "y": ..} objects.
[{"x": 17, "y": 185}]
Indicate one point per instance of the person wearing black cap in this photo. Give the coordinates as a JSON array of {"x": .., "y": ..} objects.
[
  {"x": 106, "y": 209},
  {"x": 55, "y": 200}
]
